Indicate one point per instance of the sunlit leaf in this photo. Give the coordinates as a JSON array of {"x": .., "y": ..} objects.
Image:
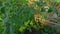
[
  {"x": 26, "y": 23},
  {"x": 55, "y": 0},
  {"x": 22, "y": 28}
]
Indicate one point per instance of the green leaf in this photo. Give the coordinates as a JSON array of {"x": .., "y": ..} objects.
[
  {"x": 51, "y": 9},
  {"x": 11, "y": 29},
  {"x": 3, "y": 10},
  {"x": 5, "y": 20},
  {"x": 22, "y": 28},
  {"x": 31, "y": 23},
  {"x": 23, "y": 1},
  {"x": 55, "y": 0},
  {"x": 26, "y": 23},
  {"x": 7, "y": 28},
  {"x": 1, "y": 18},
  {"x": 40, "y": 4}
]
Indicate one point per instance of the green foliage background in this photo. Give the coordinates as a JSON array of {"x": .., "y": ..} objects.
[{"x": 16, "y": 16}]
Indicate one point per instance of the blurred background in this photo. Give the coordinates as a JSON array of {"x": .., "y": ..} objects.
[{"x": 29, "y": 16}]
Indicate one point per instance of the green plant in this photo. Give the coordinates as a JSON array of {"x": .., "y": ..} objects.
[{"x": 17, "y": 15}]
